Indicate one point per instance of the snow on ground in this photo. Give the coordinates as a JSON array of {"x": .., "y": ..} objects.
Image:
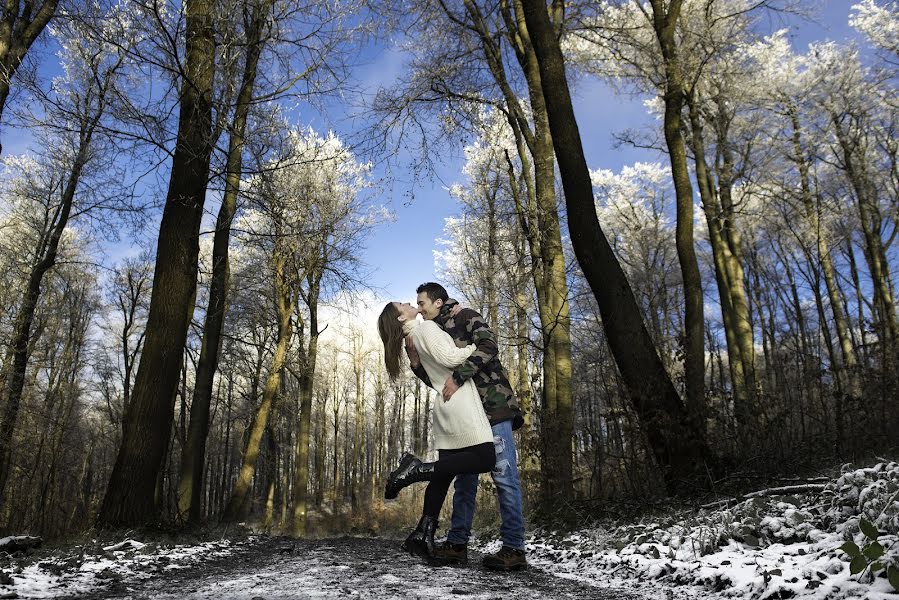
[
  {"x": 766, "y": 547},
  {"x": 364, "y": 568},
  {"x": 784, "y": 546},
  {"x": 81, "y": 570}
]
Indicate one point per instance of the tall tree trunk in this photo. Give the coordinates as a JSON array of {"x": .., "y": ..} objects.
[
  {"x": 675, "y": 439},
  {"x": 335, "y": 462},
  {"x": 849, "y": 253},
  {"x": 190, "y": 487},
  {"x": 347, "y": 483},
  {"x": 524, "y": 392},
  {"x": 665, "y": 17},
  {"x": 129, "y": 498},
  {"x": 239, "y": 501},
  {"x": 380, "y": 417},
  {"x": 321, "y": 449},
  {"x": 271, "y": 478},
  {"x": 557, "y": 415},
  {"x": 847, "y": 370},
  {"x": 307, "y": 379},
  {"x": 226, "y": 451},
  {"x": 301, "y": 458},
  {"x": 539, "y": 219},
  {"x": 728, "y": 273},
  {"x": 856, "y": 173},
  {"x": 358, "y": 425},
  {"x": 733, "y": 244}
]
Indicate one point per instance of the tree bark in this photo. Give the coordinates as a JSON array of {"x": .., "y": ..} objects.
[
  {"x": 728, "y": 276},
  {"x": 190, "y": 487},
  {"x": 733, "y": 255},
  {"x": 540, "y": 223},
  {"x": 308, "y": 360},
  {"x": 129, "y": 498},
  {"x": 238, "y": 503},
  {"x": 557, "y": 414},
  {"x": 664, "y": 24},
  {"x": 673, "y": 437}
]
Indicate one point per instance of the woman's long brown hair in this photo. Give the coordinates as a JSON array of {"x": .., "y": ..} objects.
[{"x": 391, "y": 332}]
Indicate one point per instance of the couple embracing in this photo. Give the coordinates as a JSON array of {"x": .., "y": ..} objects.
[{"x": 453, "y": 350}]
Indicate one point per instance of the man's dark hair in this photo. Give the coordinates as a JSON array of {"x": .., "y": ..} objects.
[{"x": 435, "y": 291}]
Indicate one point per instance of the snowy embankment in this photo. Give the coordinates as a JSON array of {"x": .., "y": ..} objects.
[
  {"x": 81, "y": 570},
  {"x": 778, "y": 546}
]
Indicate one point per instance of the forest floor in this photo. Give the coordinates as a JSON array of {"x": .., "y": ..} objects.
[
  {"x": 834, "y": 539},
  {"x": 272, "y": 568}
]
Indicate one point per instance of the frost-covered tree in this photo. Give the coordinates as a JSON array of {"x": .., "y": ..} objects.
[
  {"x": 305, "y": 220},
  {"x": 198, "y": 50},
  {"x": 856, "y": 123},
  {"x": 69, "y": 179},
  {"x": 633, "y": 206},
  {"x": 257, "y": 17},
  {"x": 784, "y": 109},
  {"x": 879, "y": 22},
  {"x": 131, "y": 494},
  {"x": 689, "y": 56},
  {"x": 673, "y": 433}
]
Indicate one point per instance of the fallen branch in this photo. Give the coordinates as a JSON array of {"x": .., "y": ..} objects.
[
  {"x": 19, "y": 543},
  {"x": 126, "y": 544},
  {"x": 744, "y": 476},
  {"x": 788, "y": 489},
  {"x": 806, "y": 488}
]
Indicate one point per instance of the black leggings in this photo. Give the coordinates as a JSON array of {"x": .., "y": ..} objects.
[{"x": 471, "y": 459}]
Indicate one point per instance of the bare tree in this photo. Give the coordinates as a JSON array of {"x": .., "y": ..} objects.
[
  {"x": 130, "y": 498},
  {"x": 673, "y": 436},
  {"x": 256, "y": 18},
  {"x": 74, "y": 112}
]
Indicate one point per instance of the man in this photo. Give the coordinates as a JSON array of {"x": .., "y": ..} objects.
[{"x": 466, "y": 326}]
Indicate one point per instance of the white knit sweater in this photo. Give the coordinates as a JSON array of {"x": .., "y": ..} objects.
[{"x": 461, "y": 421}]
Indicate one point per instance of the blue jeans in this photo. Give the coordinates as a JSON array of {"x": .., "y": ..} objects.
[{"x": 508, "y": 490}]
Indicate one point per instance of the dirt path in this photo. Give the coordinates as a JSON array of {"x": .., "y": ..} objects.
[{"x": 349, "y": 568}]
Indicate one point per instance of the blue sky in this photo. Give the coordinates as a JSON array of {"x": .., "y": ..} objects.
[{"x": 400, "y": 253}]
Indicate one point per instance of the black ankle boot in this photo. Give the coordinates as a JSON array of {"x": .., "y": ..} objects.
[
  {"x": 411, "y": 470},
  {"x": 421, "y": 541}
]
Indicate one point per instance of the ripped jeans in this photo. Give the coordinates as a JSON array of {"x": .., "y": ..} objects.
[{"x": 508, "y": 490}]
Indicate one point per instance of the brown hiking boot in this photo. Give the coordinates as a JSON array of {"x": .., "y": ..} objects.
[
  {"x": 452, "y": 554},
  {"x": 507, "y": 559}
]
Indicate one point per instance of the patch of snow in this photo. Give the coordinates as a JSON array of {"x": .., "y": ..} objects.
[
  {"x": 778, "y": 547},
  {"x": 83, "y": 573}
]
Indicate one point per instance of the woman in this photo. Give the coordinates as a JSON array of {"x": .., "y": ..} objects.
[{"x": 462, "y": 433}]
